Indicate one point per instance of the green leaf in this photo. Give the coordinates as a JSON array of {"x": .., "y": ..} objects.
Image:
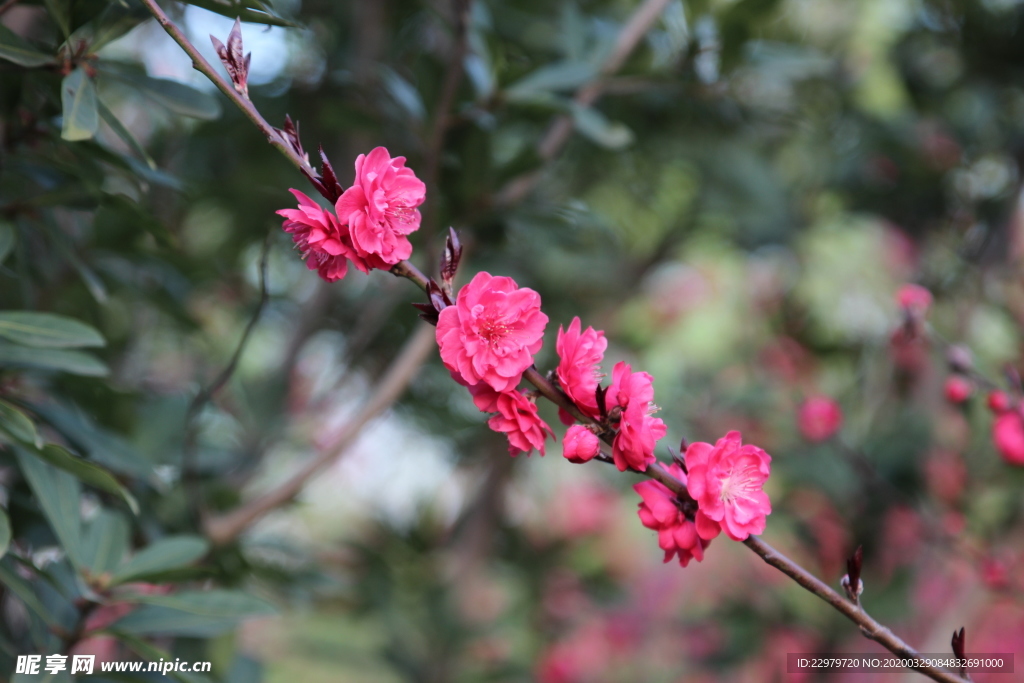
[
  {"x": 60, "y": 11},
  {"x": 112, "y": 23},
  {"x": 251, "y": 12},
  {"x": 18, "y": 425},
  {"x": 178, "y": 97},
  {"x": 552, "y": 78},
  {"x": 125, "y": 135},
  {"x": 88, "y": 472},
  {"x": 47, "y": 330},
  {"x": 73, "y": 362},
  {"x": 157, "y": 620},
  {"x": 105, "y": 542},
  {"x": 593, "y": 124},
  {"x": 23, "y": 589},
  {"x": 59, "y": 495},
  {"x": 227, "y": 604},
  {"x": 7, "y": 240},
  {"x": 78, "y": 99},
  {"x": 167, "y": 553},
  {"x": 5, "y": 533},
  {"x": 15, "y": 49},
  {"x": 152, "y": 653}
]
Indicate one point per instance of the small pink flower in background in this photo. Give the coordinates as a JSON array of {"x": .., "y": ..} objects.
[
  {"x": 380, "y": 208},
  {"x": 819, "y": 418},
  {"x": 914, "y": 298},
  {"x": 995, "y": 574},
  {"x": 1008, "y": 436},
  {"x": 633, "y": 394},
  {"x": 659, "y": 511},
  {"x": 726, "y": 480},
  {"x": 579, "y": 367},
  {"x": 998, "y": 402},
  {"x": 322, "y": 239},
  {"x": 958, "y": 388},
  {"x": 517, "y": 418},
  {"x": 492, "y": 331},
  {"x": 582, "y": 508},
  {"x": 580, "y": 444}
]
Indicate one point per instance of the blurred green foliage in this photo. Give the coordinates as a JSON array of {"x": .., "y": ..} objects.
[{"x": 736, "y": 210}]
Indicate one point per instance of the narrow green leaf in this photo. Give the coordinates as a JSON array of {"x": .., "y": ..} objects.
[
  {"x": 15, "y": 49},
  {"x": 7, "y": 240},
  {"x": 78, "y": 99},
  {"x": 593, "y": 124},
  {"x": 105, "y": 542},
  {"x": 159, "y": 620},
  {"x": 178, "y": 97},
  {"x": 59, "y": 495},
  {"x": 23, "y": 589},
  {"x": 167, "y": 553},
  {"x": 60, "y": 12},
  {"x": 112, "y": 23},
  {"x": 553, "y": 78},
  {"x": 47, "y": 330},
  {"x": 5, "y": 533},
  {"x": 125, "y": 135},
  {"x": 227, "y": 604},
  {"x": 88, "y": 472},
  {"x": 18, "y": 424},
  {"x": 65, "y": 360},
  {"x": 248, "y": 12}
]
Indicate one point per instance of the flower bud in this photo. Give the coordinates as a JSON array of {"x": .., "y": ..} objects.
[{"x": 580, "y": 444}]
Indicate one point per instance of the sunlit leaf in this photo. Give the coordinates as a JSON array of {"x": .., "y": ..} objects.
[
  {"x": 62, "y": 360},
  {"x": 552, "y": 78},
  {"x": 167, "y": 553},
  {"x": 18, "y": 424},
  {"x": 59, "y": 495},
  {"x": 88, "y": 472},
  {"x": 593, "y": 124},
  {"x": 105, "y": 541}
]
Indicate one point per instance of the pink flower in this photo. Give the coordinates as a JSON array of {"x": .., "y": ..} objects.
[
  {"x": 1008, "y": 436},
  {"x": 380, "y": 208},
  {"x": 819, "y": 418},
  {"x": 517, "y": 418},
  {"x": 726, "y": 480},
  {"x": 998, "y": 402},
  {"x": 660, "y": 511},
  {"x": 492, "y": 331},
  {"x": 580, "y": 444},
  {"x": 914, "y": 298},
  {"x": 322, "y": 239},
  {"x": 633, "y": 394},
  {"x": 958, "y": 388},
  {"x": 580, "y": 356}
]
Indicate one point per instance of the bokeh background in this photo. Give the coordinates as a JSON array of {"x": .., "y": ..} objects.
[{"x": 737, "y": 209}]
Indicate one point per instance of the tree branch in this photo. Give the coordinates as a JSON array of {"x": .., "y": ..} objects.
[{"x": 225, "y": 528}]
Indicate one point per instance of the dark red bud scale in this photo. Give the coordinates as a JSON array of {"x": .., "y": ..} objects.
[
  {"x": 332, "y": 189},
  {"x": 231, "y": 57}
]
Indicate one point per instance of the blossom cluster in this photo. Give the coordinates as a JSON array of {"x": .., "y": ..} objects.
[
  {"x": 371, "y": 222},
  {"x": 488, "y": 337}
]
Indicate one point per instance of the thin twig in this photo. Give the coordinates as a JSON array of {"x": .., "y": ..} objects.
[
  {"x": 442, "y": 115},
  {"x": 205, "y": 395},
  {"x": 561, "y": 129},
  {"x": 225, "y": 528}
]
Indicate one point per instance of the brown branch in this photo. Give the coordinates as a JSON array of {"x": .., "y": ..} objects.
[
  {"x": 558, "y": 133},
  {"x": 442, "y": 118},
  {"x": 225, "y": 528}
]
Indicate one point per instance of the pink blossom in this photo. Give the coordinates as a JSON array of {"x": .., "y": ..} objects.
[
  {"x": 323, "y": 240},
  {"x": 580, "y": 444},
  {"x": 660, "y": 511},
  {"x": 633, "y": 394},
  {"x": 492, "y": 331},
  {"x": 380, "y": 208},
  {"x": 914, "y": 298},
  {"x": 958, "y": 388},
  {"x": 726, "y": 480},
  {"x": 998, "y": 402},
  {"x": 1008, "y": 436},
  {"x": 579, "y": 366},
  {"x": 517, "y": 418},
  {"x": 819, "y": 418}
]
